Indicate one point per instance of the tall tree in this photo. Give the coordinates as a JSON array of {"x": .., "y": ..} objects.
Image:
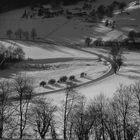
[
  {"x": 123, "y": 100},
  {"x": 69, "y": 102},
  {"x": 84, "y": 117},
  {"x": 42, "y": 117},
  {"x": 23, "y": 88}
]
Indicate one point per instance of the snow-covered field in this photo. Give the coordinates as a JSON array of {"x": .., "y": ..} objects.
[
  {"x": 79, "y": 62},
  {"x": 44, "y": 51},
  {"x": 129, "y": 74}
]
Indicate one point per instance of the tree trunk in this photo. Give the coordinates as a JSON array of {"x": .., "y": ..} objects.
[
  {"x": 64, "y": 132},
  {"x": 86, "y": 137},
  {"x": 53, "y": 133},
  {"x": 65, "y": 118},
  {"x": 71, "y": 131},
  {"x": 42, "y": 136},
  {"x": 139, "y": 108},
  {"x": 21, "y": 131},
  {"x": 1, "y": 131},
  {"x": 124, "y": 128}
]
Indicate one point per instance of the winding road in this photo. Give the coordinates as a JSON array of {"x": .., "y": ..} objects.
[{"x": 109, "y": 73}]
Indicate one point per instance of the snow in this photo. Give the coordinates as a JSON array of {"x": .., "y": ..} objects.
[
  {"x": 109, "y": 85},
  {"x": 75, "y": 31},
  {"x": 43, "y": 51}
]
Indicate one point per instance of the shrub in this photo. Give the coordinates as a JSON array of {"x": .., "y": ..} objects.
[
  {"x": 72, "y": 78},
  {"x": 83, "y": 74},
  {"x": 52, "y": 81},
  {"x": 63, "y": 79},
  {"x": 42, "y": 83},
  {"x": 88, "y": 41}
]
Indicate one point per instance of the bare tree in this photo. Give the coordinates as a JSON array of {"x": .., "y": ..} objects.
[
  {"x": 136, "y": 92},
  {"x": 53, "y": 130},
  {"x": 23, "y": 88},
  {"x": 71, "y": 98},
  {"x": 84, "y": 118},
  {"x": 5, "y": 106},
  {"x": 43, "y": 117},
  {"x": 100, "y": 104},
  {"x": 123, "y": 100},
  {"x": 112, "y": 122}
]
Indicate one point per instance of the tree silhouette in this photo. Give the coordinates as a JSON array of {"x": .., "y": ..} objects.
[
  {"x": 88, "y": 41},
  {"x": 33, "y": 33},
  {"x": 19, "y": 33},
  {"x": 9, "y": 33},
  {"x": 23, "y": 88}
]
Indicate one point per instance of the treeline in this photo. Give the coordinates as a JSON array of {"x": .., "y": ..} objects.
[
  {"x": 6, "y": 5},
  {"x": 115, "y": 118},
  {"x": 126, "y": 44},
  {"x": 132, "y": 42},
  {"x": 21, "y": 34}
]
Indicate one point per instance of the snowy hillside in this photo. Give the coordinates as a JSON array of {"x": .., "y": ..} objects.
[
  {"x": 44, "y": 51},
  {"x": 73, "y": 30}
]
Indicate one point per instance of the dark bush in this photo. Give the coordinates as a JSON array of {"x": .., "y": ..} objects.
[
  {"x": 83, "y": 74},
  {"x": 52, "y": 81},
  {"x": 42, "y": 83},
  {"x": 72, "y": 78},
  {"x": 63, "y": 79}
]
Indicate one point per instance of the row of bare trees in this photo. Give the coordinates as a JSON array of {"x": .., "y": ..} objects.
[
  {"x": 116, "y": 118},
  {"x": 20, "y": 34},
  {"x": 19, "y": 112}
]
